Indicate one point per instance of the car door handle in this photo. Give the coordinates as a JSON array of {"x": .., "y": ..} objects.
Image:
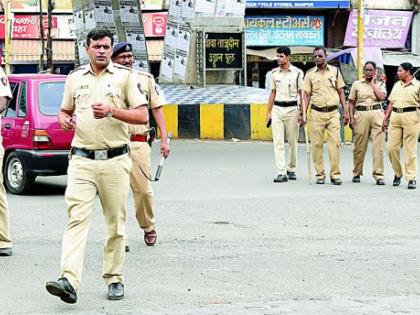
[{"x": 7, "y": 125}]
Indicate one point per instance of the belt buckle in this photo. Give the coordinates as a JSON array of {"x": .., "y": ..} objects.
[
  {"x": 400, "y": 110},
  {"x": 370, "y": 107},
  {"x": 101, "y": 154},
  {"x": 325, "y": 109}
]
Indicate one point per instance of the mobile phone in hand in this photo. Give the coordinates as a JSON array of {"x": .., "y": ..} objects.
[{"x": 268, "y": 123}]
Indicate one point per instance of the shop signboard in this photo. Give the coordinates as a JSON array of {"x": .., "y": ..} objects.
[
  {"x": 294, "y": 30},
  {"x": 155, "y": 24},
  {"x": 27, "y": 27},
  {"x": 297, "y": 4},
  {"x": 33, "y": 6},
  {"x": 223, "y": 51},
  {"x": 385, "y": 29}
]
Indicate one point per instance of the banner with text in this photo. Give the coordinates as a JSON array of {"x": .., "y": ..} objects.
[
  {"x": 223, "y": 51},
  {"x": 155, "y": 24},
  {"x": 297, "y": 4},
  {"x": 385, "y": 29}
]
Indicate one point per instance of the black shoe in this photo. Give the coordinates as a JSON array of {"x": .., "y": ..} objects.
[
  {"x": 291, "y": 175},
  {"x": 411, "y": 184},
  {"x": 380, "y": 182},
  {"x": 320, "y": 181},
  {"x": 397, "y": 181},
  {"x": 335, "y": 181},
  {"x": 63, "y": 289},
  {"x": 6, "y": 251},
  {"x": 127, "y": 248},
  {"x": 281, "y": 179},
  {"x": 356, "y": 179},
  {"x": 115, "y": 291}
]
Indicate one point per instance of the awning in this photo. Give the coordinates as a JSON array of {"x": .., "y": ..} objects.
[
  {"x": 29, "y": 50},
  {"x": 155, "y": 49},
  {"x": 395, "y": 59}
]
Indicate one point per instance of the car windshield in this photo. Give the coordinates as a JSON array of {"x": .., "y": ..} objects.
[{"x": 50, "y": 96}]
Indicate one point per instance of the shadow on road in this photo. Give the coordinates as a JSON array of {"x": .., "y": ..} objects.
[{"x": 44, "y": 189}]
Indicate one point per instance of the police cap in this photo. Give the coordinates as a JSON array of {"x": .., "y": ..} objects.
[{"x": 121, "y": 48}]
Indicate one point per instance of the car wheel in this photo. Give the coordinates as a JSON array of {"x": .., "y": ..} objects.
[{"x": 15, "y": 177}]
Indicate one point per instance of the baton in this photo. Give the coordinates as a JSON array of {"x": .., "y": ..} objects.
[{"x": 160, "y": 166}]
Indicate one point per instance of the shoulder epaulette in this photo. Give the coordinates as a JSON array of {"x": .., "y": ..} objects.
[
  {"x": 77, "y": 69},
  {"x": 117, "y": 65},
  {"x": 147, "y": 74}
]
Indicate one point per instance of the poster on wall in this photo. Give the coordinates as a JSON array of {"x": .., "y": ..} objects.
[
  {"x": 233, "y": 8},
  {"x": 129, "y": 12},
  {"x": 385, "y": 29},
  {"x": 205, "y": 7},
  {"x": 151, "y": 4},
  {"x": 155, "y": 24},
  {"x": 292, "y": 30},
  {"x": 167, "y": 67},
  {"x": 136, "y": 38},
  {"x": 180, "y": 67},
  {"x": 175, "y": 10},
  {"x": 183, "y": 42},
  {"x": 171, "y": 38},
  {"x": 103, "y": 11},
  {"x": 187, "y": 10}
]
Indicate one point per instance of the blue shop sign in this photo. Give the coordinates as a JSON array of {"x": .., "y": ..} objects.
[
  {"x": 284, "y": 30},
  {"x": 297, "y": 4}
]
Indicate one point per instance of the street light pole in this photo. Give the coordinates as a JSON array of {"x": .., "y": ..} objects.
[
  {"x": 41, "y": 36},
  {"x": 7, "y": 35},
  {"x": 360, "y": 39},
  {"x": 49, "y": 40}
]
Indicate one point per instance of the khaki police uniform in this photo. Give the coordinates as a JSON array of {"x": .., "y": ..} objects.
[
  {"x": 140, "y": 156},
  {"x": 404, "y": 127},
  {"x": 323, "y": 88},
  {"x": 107, "y": 177},
  {"x": 285, "y": 115},
  {"x": 5, "y": 240},
  {"x": 369, "y": 117}
]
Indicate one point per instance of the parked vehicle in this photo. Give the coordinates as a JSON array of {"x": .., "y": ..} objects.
[{"x": 33, "y": 141}]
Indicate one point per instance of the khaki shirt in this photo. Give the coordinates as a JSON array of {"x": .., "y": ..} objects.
[
  {"x": 405, "y": 95},
  {"x": 4, "y": 89},
  {"x": 154, "y": 99},
  {"x": 323, "y": 87},
  {"x": 362, "y": 93},
  {"x": 117, "y": 86},
  {"x": 287, "y": 84}
]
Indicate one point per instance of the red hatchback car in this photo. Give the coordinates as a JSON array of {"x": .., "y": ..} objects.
[{"x": 33, "y": 141}]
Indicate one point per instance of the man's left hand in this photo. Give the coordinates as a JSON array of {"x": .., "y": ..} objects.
[
  {"x": 346, "y": 119},
  {"x": 100, "y": 110}
]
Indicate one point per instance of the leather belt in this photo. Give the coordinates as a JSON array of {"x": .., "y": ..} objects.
[
  {"x": 324, "y": 109},
  {"x": 285, "y": 104},
  {"x": 138, "y": 138},
  {"x": 404, "y": 109},
  {"x": 369, "y": 107},
  {"x": 100, "y": 154}
]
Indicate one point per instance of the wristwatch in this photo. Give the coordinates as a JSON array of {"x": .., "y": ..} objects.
[{"x": 110, "y": 113}]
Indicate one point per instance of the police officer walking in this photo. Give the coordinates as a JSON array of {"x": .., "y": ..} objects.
[
  {"x": 286, "y": 86},
  {"x": 104, "y": 97},
  {"x": 403, "y": 124},
  {"x": 323, "y": 87},
  {"x": 365, "y": 100},
  {"x": 139, "y": 148},
  {"x": 5, "y": 240}
]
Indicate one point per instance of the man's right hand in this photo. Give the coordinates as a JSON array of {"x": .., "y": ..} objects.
[
  {"x": 352, "y": 123},
  {"x": 302, "y": 120},
  {"x": 385, "y": 125},
  {"x": 67, "y": 123},
  {"x": 267, "y": 119}
]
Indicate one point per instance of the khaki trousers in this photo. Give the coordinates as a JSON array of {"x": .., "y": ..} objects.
[
  {"x": 369, "y": 123},
  {"x": 319, "y": 122},
  {"x": 110, "y": 180},
  {"x": 5, "y": 240},
  {"x": 141, "y": 186},
  {"x": 285, "y": 120},
  {"x": 403, "y": 132}
]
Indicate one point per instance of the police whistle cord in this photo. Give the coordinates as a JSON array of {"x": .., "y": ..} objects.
[{"x": 160, "y": 166}]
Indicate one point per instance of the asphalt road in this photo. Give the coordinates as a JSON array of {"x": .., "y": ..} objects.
[{"x": 230, "y": 241}]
